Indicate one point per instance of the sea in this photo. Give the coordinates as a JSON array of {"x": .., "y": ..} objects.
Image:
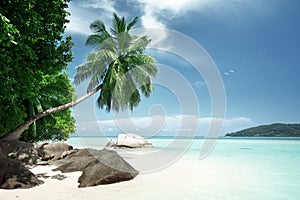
[{"x": 229, "y": 168}]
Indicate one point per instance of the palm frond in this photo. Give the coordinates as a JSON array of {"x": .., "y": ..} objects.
[
  {"x": 104, "y": 99},
  {"x": 124, "y": 40},
  {"x": 148, "y": 64},
  {"x": 94, "y": 82},
  {"x": 123, "y": 91},
  {"x": 145, "y": 61},
  {"x": 119, "y": 64},
  {"x": 98, "y": 26},
  {"x": 140, "y": 76},
  {"x": 117, "y": 24},
  {"x": 135, "y": 99},
  {"x": 132, "y": 23},
  {"x": 96, "y": 63},
  {"x": 100, "y": 33},
  {"x": 96, "y": 39},
  {"x": 139, "y": 45},
  {"x": 84, "y": 71}
]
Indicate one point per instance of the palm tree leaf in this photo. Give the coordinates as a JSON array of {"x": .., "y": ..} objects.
[
  {"x": 96, "y": 39},
  {"x": 115, "y": 24},
  {"x": 94, "y": 81},
  {"x": 118, "y": 25},
  {"x": 132, "y": 23},
  {"x": 144, "y": 61},
  {"x": 100, "y": 35},
  {"x": 118, "y": 63},
  {"x": 98, "y": 26},
  {"x": 124, "y": 40},
  {"x": 140, "y": 76},
  {"x": 134, "y": 100},
  {"x": 138, "y": 46},
  {"x": 83, "y": 72},
  {"x": 104, "y": 99}
]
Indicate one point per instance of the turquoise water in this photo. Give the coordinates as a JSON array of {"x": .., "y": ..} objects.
[{"x": 235, "y": 168}]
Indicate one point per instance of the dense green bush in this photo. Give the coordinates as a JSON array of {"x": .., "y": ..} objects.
[{"x": 33, "y": 54}]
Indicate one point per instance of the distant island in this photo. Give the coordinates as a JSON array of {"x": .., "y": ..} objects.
[{"x": 271, "y": 130}]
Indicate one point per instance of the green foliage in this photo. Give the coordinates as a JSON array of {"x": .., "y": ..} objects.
[
  {"x": 56, "y": 126},
  {"x": 118, "y": 63},
  {"x": 8, "y": 96},
  {"x": 33, "y": 54},
  {"x": 272, "y": 130}
]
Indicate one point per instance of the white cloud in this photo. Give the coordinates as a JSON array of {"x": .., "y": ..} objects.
[
  {"x": 79, "y": 19},
  {"x": 155, "y": 10},
  {"x": 106, "y": 5},
  {"x": 229, "y": 72},
  {"x": 150, "y": 21},
  {"x": 84, "y": 12},
  {"x": 157, "y": 13},
  {"x": 163, "y": 125}
]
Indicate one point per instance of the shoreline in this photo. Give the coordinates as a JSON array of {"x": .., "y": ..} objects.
[
  {"x": 200, "y": 137},
  {"x": 60, "y": 186},
  {"x": 235, "y": 170}
]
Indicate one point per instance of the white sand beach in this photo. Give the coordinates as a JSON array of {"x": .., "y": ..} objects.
[
  {"x": 236, "y": 169},
  {"x": 186, "y": 179},
  {"x": 174, "y": 182}
]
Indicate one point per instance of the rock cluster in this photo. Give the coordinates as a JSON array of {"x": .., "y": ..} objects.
[
  {"x": 21, "y": 151},
  {"x": 54, "y": 151},
  {"x": 97, "y": 166},
  {"x": 15, "y": 157},
  {"x": 129, "y": 140},
  {"x": 13, "y": 174}
]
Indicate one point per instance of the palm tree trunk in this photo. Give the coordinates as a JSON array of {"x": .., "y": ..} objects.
[{"x": 16, "y": 134}]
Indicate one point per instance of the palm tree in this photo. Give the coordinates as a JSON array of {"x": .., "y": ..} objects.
[{"x": 117, "y": 68}]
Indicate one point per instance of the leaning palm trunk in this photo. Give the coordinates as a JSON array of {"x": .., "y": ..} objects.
[
  {"x": 118, "y": 67},
  {"x": 16, "y": 134}
]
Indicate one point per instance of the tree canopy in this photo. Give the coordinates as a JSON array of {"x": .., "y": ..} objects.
[
  {"x": 33, "y": 55},
  {"x": 38, "y": 94},
  {"x": 118, "y": 64}
]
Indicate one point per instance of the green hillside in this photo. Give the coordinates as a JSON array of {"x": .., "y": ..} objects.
[{"x": 272, "y": 130}]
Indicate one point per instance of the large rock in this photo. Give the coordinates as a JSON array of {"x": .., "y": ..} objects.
[
  {"x": 132, "y": 141},
  {"x": 98, "y": 167},
  {"x": 14, "y": 175},
  {"x": 108, "y": 168},
  {"x": 76, "y": 161},
  {"x": 21, "y": 151},
  {"x": 54, "y": 151}
]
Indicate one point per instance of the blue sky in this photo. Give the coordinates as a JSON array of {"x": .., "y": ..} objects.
[{"x": 255, "y": 46}]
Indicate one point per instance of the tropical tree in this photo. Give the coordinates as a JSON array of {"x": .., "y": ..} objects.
[
  {"x": 34, "y": 55},
  {"x": 118, "y": 65},
  {"x": 117, "y": 68}
]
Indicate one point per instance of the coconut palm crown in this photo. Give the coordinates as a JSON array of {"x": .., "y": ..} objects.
[{"x": 118, "y": 65}]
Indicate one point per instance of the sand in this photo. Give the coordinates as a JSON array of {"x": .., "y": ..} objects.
[
  {"x": 163, "y": 184},
  {"x": 188, "y": 178}
]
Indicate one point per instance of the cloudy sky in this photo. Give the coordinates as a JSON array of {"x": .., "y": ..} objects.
[{"x": 254, "y": 47}]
